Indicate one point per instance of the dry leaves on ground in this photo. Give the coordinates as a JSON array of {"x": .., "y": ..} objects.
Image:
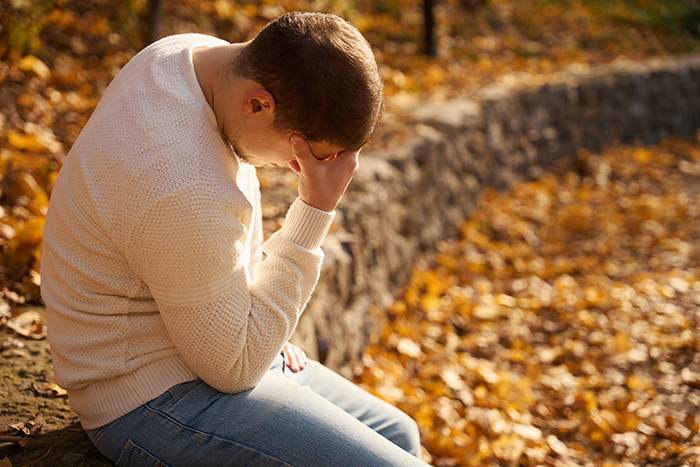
[
  {"x": 562, "y": 327},
  {"x": 18, "y": 432}
]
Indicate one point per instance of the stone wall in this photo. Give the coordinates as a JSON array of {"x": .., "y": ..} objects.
[{"x": 406, "y": 200}]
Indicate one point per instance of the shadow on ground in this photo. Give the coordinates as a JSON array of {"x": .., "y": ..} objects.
[{"x": 67, "y": 447}]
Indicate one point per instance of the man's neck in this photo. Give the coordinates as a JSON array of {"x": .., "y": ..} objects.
[{"x": 213, "y": 67}]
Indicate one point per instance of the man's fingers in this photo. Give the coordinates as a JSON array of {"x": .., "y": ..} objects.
[
  {"x": 300, "y": 359},
  {"x": 300, "y": 147},
  {"x": 294, "y": 357},
  {"x": 322, "y": 183}
]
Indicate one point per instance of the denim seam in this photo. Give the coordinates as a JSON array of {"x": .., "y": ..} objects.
[
  {"x": 96, "y": 434},
  {"x": 131, "y": 446},
  {"x": 182, "y": 393},
  {"x": 194, "y": 430},
  {"x": 125, "y": 451}
]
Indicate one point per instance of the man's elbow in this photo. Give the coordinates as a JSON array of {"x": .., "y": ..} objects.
[{"x": 238, "y": 379}]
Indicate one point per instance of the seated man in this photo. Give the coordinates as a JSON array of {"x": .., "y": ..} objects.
[{"x": 165, "y": 322}]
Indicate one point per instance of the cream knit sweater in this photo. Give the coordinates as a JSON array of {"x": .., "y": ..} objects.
[{"x": 151, "y": 268}]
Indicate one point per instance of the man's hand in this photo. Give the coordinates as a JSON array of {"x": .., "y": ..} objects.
[
  {"x": 294, "y": 357},
  {"x": 322, "y": 183}
]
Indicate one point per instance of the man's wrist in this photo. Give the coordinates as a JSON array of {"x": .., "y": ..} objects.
[
  {"x": 306, "y": 225},
  {"x": 320, "y": 205}
]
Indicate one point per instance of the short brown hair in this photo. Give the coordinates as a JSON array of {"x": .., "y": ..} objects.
[{"x": 322, "y": 74}]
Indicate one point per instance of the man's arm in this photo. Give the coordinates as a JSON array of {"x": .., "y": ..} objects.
[{"x": 190, "y": 250}]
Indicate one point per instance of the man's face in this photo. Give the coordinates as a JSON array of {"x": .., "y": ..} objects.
[{"x": 273, "y": 148}]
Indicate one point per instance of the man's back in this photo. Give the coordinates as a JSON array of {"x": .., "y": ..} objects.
[{"x": 149, "y": 158}]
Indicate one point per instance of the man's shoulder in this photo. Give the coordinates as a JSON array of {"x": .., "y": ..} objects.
[
  {"x": 167, "y": 52},
  {"x": 177, "y": 42}
]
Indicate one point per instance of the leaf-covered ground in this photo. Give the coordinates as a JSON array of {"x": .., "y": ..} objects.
[
  {"x": 561, "y": 328},
  {"x": 595, "y": 239}
]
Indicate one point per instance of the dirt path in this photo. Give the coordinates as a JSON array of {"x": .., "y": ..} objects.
[{"x": 26, "y": 371}]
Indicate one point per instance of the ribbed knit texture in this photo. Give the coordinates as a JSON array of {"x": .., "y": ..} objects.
[{"x": 151, "y": 267}]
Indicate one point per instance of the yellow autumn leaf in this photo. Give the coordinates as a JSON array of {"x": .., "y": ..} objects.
[
  {"x": 250, "y": 9},
  {"x": 28, "y": 234},
  {"x": 31, "y": 63},
  {"x": 100, "y": 27},
  {"x": 26, "y": 142},
  {"x": 224, "y": 8},
  {"x": 642, "y": 156},
  {"x": 26, "y": 100},
  {"x": 26, "y": 185}
]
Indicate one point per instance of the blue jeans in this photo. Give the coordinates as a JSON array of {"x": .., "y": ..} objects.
[{"x": 312, "y": 418}]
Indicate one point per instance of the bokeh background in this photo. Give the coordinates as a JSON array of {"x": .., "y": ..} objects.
[{"x": 559, "y": 329}]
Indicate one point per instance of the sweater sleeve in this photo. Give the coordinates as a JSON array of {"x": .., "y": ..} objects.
[{"x": 190, "y": 249}]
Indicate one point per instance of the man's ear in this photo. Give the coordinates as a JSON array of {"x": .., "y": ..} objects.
[{"x": 256, "y": 101}]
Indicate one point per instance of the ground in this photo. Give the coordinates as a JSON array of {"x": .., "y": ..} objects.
[
  {"x": 24, "y": 373},
  {"x": 561, "y": 328},
  {"x": 597, "y": 363}
]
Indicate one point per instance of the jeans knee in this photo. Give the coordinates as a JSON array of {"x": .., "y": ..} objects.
[{"x": 407, "y": 435}]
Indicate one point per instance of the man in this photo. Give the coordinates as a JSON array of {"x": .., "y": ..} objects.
[{"x": 165, "y": 323}]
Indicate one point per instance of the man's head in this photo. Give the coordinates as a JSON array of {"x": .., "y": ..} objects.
[{"x": 322, "y": 75}]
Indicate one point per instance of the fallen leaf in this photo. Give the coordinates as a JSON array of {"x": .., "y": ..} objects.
[
  {"x": 26, "y": 142},
  {"x": 5, "y": 311},
  {"x": 28, "y": 324},
  {"x": 15, "y": 353},
  {"x": 12, "y": 296},
  {"x": 31, "y": 63},
  {"x": 11, "y": 343},
  {"x": 7, "y": 231},
  {"x": 49, "y": 389},
  {"x": 29, "y": 428}
]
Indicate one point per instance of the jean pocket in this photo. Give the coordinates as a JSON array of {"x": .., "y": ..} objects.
[
  {"x": 134, "y": 455},
  {"x": 175, "y": 393}
]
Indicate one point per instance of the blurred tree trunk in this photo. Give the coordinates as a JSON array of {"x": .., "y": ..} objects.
[
  {"x": 429, "y": 23},
  {"x": 153, "y": 20}
]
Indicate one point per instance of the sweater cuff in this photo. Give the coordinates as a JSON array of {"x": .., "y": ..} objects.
[{"x": 305, "y": 225}]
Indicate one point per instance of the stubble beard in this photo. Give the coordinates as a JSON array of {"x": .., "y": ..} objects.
[{"x": 241, "y": 155}]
